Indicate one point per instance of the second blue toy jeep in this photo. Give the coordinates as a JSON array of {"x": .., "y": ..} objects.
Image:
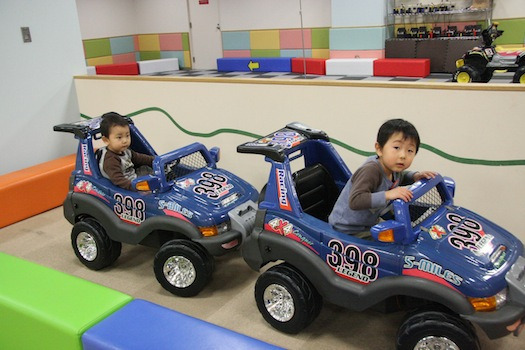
[
  {"x": 451, "y": 267},
  {"x": 189, "y": 208}
]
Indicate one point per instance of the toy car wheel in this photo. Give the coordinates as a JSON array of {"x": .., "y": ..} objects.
[
  {"x": 286, "y": 299},
  {"x": 182, "y": 268},
  {"x": 486, "y": 76},
  {"x": 466, "y": 74},
  {"x": 92, "y": 245},
  {"x": 436, "y": 330},
  {"x": 519, "y": 76}
]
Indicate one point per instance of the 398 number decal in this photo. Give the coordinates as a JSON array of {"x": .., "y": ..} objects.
[
  {"x": 129, "y": 209},
  {"x": 213, "y": 185},
  {"x": 466, "y": 233},
  {"x": 351, "y": 262}
]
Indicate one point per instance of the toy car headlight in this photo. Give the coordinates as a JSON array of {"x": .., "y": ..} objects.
[
  {"x": 146, "y": 183},
  {"x": 209, "y": 231},
  {"x": 388, "y": 231},
  {"x": 491, "y": 303}
]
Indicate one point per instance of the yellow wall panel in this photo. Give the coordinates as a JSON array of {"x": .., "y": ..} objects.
[
  {"x": 320, "y": 53},
  {"x": 264, "y": 39},
  {"x": 98, "y": 61},
  {"x": 149, "y": 42},
  {"x": 187, "y": 59}
]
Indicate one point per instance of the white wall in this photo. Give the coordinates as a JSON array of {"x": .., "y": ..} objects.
[
  {"x": 508, "y": 9},
  {"x": 357, "y": 13},
  {"x": 36, "y": 89},
  {"x": 273, "y": 14},
  {"x": 106, "y": 18},
  {"x": 161, "y": 16}
]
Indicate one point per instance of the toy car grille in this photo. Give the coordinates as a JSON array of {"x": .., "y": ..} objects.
[
  {"x": 425, "y": 206},
  {"x": 184, "y": 166}
]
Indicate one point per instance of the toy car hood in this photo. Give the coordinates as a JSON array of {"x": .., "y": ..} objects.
[
  {"x": 214, "y": 188},
  {"x": 469, "y": 249}
]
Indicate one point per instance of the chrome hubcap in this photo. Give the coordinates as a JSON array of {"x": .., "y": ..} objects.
[
  {"x": 87, "y": 247},
  {"x": 436, "y": 343},
  {"x": 179, "y": 271},
  {"x": 279, "y": 302}
]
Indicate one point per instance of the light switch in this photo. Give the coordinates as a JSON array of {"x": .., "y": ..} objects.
[{"x": 26, "y": 34}]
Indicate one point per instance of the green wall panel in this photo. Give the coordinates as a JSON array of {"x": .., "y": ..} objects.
[
  {"x": 320, "y": 38},
  {"x": 514, "y": 31},
  {"x": 97, "y": 48}
]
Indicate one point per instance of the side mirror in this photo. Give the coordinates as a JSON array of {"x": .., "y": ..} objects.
[
  {"x": 146, "y": 183},
  {"x": 450, "y": 184},
  {"x": 389, "y": 231},
  {"x": 215, "y": 153}
]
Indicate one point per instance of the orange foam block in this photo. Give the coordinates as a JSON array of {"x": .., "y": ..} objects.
[{"x": 34, "y": 190}]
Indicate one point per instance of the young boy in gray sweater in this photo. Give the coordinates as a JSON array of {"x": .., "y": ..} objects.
[
  {"x": 119, "y": 163},
  {"x": 368, "y": 192}
]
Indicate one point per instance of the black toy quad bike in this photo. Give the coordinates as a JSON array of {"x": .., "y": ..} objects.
[{"x": 479, "y": 64}]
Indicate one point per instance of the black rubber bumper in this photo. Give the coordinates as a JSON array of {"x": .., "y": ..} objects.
[
  {"x": 221, "y": 244},
  {"x": 495, "y": 323}
]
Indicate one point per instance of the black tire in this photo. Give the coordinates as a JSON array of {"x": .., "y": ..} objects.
[
  {"x": 486, "y": 76},
  {"x": 466, "y": 74},
  {"x": 439, "y": 328},
  {"x": 92, "y": 245},
  {"x": 281, "y": 284},
  {"x": 182, "y": 267},
  {"x": 519, "y": 76}
]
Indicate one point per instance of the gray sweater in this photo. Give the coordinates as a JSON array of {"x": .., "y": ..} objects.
[
  {"x": 121, "y": 168},
  {"x": 363, "y": 198}
]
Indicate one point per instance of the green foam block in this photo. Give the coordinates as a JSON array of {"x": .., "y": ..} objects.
[{"x": 41, "y": 308}]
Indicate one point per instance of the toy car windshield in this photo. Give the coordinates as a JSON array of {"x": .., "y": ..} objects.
[{"x": 283, "y": 142}]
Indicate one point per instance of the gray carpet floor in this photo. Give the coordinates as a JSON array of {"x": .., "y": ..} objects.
[{"x": 227, "y": 301}]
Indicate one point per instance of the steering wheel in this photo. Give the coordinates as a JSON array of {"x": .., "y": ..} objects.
[{"x": 387, "y": 213}]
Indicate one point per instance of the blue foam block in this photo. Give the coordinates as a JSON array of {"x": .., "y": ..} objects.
[
  {"x": 255, "y": 64},
  {"x": 144, "y": 325}
]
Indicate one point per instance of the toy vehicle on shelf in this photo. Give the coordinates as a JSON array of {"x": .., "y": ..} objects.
[
  {"x": 480, "y": 63},
  {"x": 451, "y": 267},
  {"x": 189, "y": 208}
]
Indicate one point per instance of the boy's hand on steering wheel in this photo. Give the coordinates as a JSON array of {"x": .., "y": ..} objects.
[{"x": 399, "y": 193}]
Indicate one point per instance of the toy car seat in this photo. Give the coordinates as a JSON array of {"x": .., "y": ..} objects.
[
  {"x": 316, "y": 190},
  {"x": 99, "y": 157}
]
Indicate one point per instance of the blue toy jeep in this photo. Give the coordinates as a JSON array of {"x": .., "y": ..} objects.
[
  {"x": 450, "y": 266},
  {"x": 189, "y": 208}
]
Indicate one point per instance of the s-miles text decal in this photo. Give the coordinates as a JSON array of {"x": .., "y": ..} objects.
[{"x": 428, "y": 269}]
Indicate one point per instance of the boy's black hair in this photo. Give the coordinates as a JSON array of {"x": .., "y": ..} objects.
[
  {"x": 392, "y": 126},
  {"x": 109, "y": 120}
]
